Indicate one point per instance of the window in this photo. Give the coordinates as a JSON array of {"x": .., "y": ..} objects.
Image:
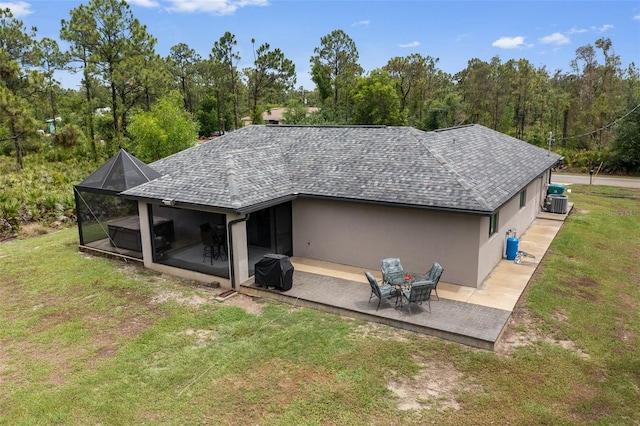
[
  {"x": 523, "y": 198},
  {"x": 493, "y": 224}
]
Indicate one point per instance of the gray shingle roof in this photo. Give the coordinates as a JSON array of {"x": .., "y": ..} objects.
[{"x": 469, "y": 168}]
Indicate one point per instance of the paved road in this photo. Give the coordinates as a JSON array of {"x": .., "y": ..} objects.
[{"x": 598, "y": 180}]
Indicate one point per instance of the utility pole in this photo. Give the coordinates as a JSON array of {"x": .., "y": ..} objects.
[{"x": 549, "y": 141}]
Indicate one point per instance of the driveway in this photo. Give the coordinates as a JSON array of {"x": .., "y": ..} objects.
[{"x": 625, "y": 182}]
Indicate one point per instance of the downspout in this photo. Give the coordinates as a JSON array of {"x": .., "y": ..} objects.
[{"x": 232, "y": 274}]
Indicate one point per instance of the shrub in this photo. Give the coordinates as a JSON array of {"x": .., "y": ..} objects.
[
  {"x": 69, "y": 136},
  {"x": 41, "y": 192}
]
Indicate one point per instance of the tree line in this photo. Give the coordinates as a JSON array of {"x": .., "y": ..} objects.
[{"x": 132, "y": 97}]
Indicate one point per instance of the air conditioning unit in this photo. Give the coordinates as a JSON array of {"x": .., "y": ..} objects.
[{"x": 558, "y": 203}]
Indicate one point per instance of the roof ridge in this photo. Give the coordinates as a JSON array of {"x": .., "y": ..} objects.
[
  {"x": 460, "y": 179},
  {"x": 462, "y": 126},
  {"x": 234, "y": 194},
  {"x": 285, "y": 162},
  {"x": 329, "y": 126}
]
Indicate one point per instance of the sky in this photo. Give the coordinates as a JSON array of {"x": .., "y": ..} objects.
[{"x": 547, "y": 33}]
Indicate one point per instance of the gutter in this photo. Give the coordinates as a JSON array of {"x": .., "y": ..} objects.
[
  {"x": 232, "y": 272},
  {"x": 396, "y": 204}
]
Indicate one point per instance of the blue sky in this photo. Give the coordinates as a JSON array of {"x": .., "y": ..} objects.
[{"x": 547, "y": 33}]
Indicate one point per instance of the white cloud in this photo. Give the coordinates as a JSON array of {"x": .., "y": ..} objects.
[
  {"x": 636, "y": 18},
  {"x": 605, "y": 27},
  {"x": 576, "y": 31},
  {"x": 361, "y": 23},
  {"x": 555, "y": 38},
  {"x": 412, "y": 44},
  {"x": 18, "y": 8},
  {"x": 509, "y": 42},
  {"x": 216, "y": 7},
  {"x": 144, "y": 3}
]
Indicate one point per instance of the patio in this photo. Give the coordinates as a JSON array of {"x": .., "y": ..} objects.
[{"x": 471, "y": 316}]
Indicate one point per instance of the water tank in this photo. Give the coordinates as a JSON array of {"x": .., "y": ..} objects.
[
  {"x": 512, "y": 248},
  {"x": 559, "y": 203},
  {"x": 555, "y": 188}
]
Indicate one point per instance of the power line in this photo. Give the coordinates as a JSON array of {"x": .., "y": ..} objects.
[{"x": 613, "y": 123}]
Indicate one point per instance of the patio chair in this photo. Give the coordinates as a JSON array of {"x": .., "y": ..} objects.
[
  {"x": 392, "y": 272},
  {"x": 209, "y": 245},
  {"x": 380, "y": 291},
  {"x": 417, "y": 294},
  {"x": 220, "y": 242},
  {"x": 432, "y": 277}
]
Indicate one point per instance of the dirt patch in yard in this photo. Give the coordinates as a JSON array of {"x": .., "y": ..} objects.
[
  {"x": 436, "y": 386},
  {"x": 378, "y": 331},
  {"x": 523, "y": 330},
  {"x": 248, "y": 303},
  {"x": 206, "y": 296}
]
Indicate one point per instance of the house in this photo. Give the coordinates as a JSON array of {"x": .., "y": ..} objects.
[
  {"x": 350, "y": 195},
  {"x": 276, "y": 115}
]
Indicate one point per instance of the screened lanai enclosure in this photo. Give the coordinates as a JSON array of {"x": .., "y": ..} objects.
[
  {"x": 200, "y": 240},
  {"x": 107, "y": 222},
  {"x": 190, "y": 239},
  {"x": 185, "y": 237}
]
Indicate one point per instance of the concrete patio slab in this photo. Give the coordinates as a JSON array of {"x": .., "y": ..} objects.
[{"x": 471, "y": 316}]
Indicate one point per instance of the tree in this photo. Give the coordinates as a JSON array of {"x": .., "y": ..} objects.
[
  {"x": 51, "y": 60},
  {"x": 19, "y": 84},
  {"x": 404, "y": 71},
  {"x": 442, "y": 113},
  {"x": 80, "y": 31},
  {"x": 183, "y": 65},
  {"x": 335, "y": 65},
  {"x": 475, "y": 83},
  {"x": 106, "y": 32},
  {"x": 224, "y": 53},
  {"x": 207, "y": 116},
  {"x": 376, "y": 101},
  {"x": 416, "y": 80},
  {"x": 271, "y": 72},
  {"x": 626, "y": 147},
  {"x": 164, "y": 130},
  {"x": 215, "y": 100}
]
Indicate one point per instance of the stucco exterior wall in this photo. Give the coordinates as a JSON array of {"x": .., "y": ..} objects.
[
  {"x": 359, "y": 234},
  {"x": 510, "y": 217},
  {"x": 239, "y": 250},
  {"x": 362, "y": 234}
]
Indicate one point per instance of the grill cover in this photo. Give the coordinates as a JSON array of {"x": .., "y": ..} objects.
[{"x": 274, "y": 270}]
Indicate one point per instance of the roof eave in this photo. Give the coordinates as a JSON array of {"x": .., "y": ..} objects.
[
  {"x": 402, "y": 205},
  {"x": 266, "y": 204},
  {"x": 170, "y": 202}
]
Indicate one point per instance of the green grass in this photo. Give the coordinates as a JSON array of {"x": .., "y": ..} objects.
[{"x": 87, "y": 340}]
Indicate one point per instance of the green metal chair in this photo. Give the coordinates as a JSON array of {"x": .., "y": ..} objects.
[
  {"x": 384, "y": 291},
  {"x": 432, "y": 277},
  {"x": 392, "y": 271},
  {"x": 419, "y": 293}
]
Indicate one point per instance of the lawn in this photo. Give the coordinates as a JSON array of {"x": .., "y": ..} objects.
[{"x": 87, "y": 340}]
